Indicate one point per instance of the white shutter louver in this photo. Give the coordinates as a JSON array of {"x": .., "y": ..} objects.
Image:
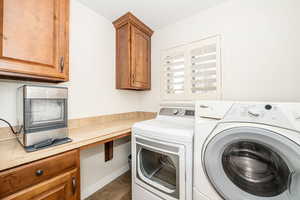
[{"x": 174, "y": 73}]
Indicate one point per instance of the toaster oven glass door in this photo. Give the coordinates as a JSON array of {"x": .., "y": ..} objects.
[{"x": 45, "y": 114}]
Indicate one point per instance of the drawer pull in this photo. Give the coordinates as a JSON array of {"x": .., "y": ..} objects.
[
  {"x": 74, "y": 185},
  {"x": 39, "y": 172}
]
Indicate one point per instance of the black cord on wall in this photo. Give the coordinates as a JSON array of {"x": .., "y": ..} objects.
[{"x": 10, "y": 126}]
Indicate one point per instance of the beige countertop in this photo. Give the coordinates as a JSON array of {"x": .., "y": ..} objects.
[{"x": 12, "y": 154}]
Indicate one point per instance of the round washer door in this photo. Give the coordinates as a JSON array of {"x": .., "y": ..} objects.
[{"x": 253, "y": 164}]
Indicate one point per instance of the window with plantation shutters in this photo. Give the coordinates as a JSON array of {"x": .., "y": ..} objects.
[
  {"x": 174, "y": 72},
  {"x": 205, "y": 77},
  {"x": 192, "y": 71}
]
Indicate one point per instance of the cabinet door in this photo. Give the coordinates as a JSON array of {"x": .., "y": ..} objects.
[
  {"x": 140, "y": 59},
  {"x": 34, "y": 38},
  {"x": 123, "y": 57},
  {"x": 62, "y": 187}
]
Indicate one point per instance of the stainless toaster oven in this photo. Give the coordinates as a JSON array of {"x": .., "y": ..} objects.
[{"x": 42, "y": 116}]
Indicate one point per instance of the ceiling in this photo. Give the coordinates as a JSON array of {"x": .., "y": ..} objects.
[{"x": 155, "y": 13}]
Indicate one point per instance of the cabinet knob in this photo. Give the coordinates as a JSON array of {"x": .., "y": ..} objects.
[
  {"x": 62, "y": 64},
  {"x": 39, "y": 172},
  {"x": 74, "y": 185}
]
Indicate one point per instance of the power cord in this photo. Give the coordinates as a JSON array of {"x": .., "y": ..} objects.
[{"x": 10, "y": 126}]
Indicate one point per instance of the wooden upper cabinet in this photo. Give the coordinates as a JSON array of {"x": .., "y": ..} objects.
[
  {"x": 34, "y": 39},
  {"x": 133, "y": 53},
  {"x": 140, "y": 58}
]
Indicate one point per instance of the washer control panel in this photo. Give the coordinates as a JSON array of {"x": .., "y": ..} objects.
[
  {"x": 258, "y": 113},
  {"x": 213, "y": 109},
  {"x": 177, "y": 112}
]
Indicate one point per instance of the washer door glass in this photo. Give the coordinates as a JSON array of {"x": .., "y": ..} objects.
[
  {"x": 255, "y": 168},
  {"x": 254, "y": 164}
]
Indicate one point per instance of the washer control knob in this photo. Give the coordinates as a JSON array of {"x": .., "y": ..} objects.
[{"x": 268, "y": 107}]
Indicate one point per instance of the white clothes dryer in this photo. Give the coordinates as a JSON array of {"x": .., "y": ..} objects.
[{"x": 162, "y": 155}]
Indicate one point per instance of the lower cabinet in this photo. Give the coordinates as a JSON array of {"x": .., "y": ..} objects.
[
  {"x": 62, "y": 187},
  {"x": 53, "y": 178}
]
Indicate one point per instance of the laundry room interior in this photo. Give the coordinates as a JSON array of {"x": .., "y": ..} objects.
[{"x": 149, "y": 100}]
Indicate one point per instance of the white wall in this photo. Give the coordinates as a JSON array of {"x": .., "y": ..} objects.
[
  {"x": 260, "y": 48},
  {"x": 95, "y": 173},
  {"x": 91, "y": 90}
]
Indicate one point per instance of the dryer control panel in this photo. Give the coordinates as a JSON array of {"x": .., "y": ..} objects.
[
  {"x": 177, "y": 112},
  {"x": 271, "y": 114}
]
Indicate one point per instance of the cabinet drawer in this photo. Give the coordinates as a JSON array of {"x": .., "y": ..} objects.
[{"x": 18, "y": 178}]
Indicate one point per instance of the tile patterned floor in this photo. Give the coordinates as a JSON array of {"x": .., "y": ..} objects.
[{"x": 119, "y": 189}]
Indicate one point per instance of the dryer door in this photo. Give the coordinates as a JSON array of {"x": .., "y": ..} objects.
[
  {"x": 254, "y": 164},
  {"x": 160, "y": 167}
]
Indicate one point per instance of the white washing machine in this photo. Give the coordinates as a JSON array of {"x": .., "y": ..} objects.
[
  {"x": 162, "y": 155},
  {"x": 251, "y": 153}
]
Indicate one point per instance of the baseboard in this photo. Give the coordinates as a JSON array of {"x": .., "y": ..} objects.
[{"x": 104, "y": 181}]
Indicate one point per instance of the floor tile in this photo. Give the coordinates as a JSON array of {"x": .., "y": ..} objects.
[{"x": 119, "y": 189}]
